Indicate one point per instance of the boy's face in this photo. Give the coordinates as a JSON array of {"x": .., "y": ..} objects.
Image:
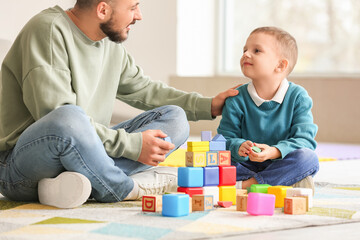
[{"x": 261, "y": 56}]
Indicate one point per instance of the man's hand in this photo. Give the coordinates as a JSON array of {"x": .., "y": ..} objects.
[
  {"x": 218, "y": 101},
  {"x": 266, "y": 153},
  {"x": 154, "y": 148}
]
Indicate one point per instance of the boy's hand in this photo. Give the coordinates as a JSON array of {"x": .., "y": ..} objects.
[
  {"x": 245, "y": 148},
  {"x": 218, "y": 101},
  {"x": 266, "y": 153},
  {"x": 154, "y": 148}
]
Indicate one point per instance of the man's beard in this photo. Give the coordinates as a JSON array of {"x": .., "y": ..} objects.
[{"x": 110, "y": 33}]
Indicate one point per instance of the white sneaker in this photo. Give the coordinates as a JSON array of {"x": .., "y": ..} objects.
[
  {"x": 157, "y": 180},
  {"x": 68, "y": 190},
  {"x": 307, "y": 182}
]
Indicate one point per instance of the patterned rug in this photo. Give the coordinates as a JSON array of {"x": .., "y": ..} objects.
[{"x": 125, "y": 220}]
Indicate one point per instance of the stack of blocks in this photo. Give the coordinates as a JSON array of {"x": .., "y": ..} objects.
[
  {"x": 263, "y": 199},
  {"x": 208, "y": 170}
]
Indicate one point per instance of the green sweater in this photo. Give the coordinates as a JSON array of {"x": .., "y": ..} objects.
[{"x": 53, "y": 63}]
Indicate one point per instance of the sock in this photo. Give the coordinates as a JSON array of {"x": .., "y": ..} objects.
[
  {"x": 133, "y": 195},
  {"x": 238, "y": 185}
]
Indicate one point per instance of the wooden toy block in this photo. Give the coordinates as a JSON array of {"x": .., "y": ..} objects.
[
  {"x": 307, "y": 207},
  {"x": 259, "y": 188},
  {"x": 241, "y": 192},
  {"x": 213, "y": 191},
  {"x": 190, "y": 177},
  {"x": 202, "y": 202},
  {"x": 198, "y": 149},
  {"x": 212, "y": 158},
  {"x": 152, "y": 203},
  {"x": 241, "y": 203},
  {"x": 227, "y": 193},
  {"x": 256, "y": 149},
  {"x": 224, "y": 158},
  {"x": 191, "y": 190},
  {"x": 218, "y": 138},
  {"x": 280, "y": 194},
  {"x": 198, "y": 144},
  {"x": 295, "y": 205},
  {"x": 195, "y": 159},
  {"x": 211, "y": 176},
  {"x": 224, "y": 204},
  {"x": 190, "y": 205},
  {"x": 217, "y": 146},
  {"x": 227, "y": 175},
  {"x": 301, "y": 192},
  {"x": 260, "y": 204},
  {"x": 206, "y": 136},
  {"x": 175, "y": 205}
]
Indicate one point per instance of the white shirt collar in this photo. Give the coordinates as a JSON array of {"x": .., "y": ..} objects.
[{"x": 279, "y": 96}]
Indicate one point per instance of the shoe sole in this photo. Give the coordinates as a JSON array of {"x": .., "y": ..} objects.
[{"x": 68, "y": 190}]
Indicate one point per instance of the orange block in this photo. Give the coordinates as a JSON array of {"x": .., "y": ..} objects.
[
  {"x": 241, "y": 203},
  {"x": 224, "y": 158},
  {"x": 295, "y": 205}
]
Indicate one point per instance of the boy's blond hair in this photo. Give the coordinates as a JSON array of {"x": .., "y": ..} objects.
[{"x": 287, "y": 43}]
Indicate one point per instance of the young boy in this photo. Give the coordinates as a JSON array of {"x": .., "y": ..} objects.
[{"x": 271, "y": 114}]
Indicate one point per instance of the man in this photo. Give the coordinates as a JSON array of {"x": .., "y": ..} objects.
[{"x": 59, "y": 83}]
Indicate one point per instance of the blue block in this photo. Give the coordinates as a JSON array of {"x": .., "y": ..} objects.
[
  {"x": 206, "y": 136},
  {"x": 175, "y": 205},
  {"x": 190, "y": 176},
  {"x": 217, "y": 146},
  {"x": 219, "y": 138},
  {"x": 211, "y": 176}
]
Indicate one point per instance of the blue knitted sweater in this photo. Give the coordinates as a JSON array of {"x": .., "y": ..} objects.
[{"x": 287, "y": 126}]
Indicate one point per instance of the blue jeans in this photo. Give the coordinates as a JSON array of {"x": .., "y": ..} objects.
[
  {"x": 294, "y": 167},
  {"x": 64, "y": 140}
]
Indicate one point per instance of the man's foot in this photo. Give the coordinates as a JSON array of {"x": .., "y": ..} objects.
[
  {"x": 157, "y": 180},
  {"x": 68, "y": 190},
  {"x": 307, "y": 182}
]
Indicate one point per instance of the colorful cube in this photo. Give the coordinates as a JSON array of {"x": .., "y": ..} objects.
[
  {"x": 240, "y": 192},
  {"x": 260, "y": 204},
  {"x": 175, "y": 205},
  {"x": 152, "y": 203},
  {"x": 213, "y": 191},
  {"x": 202, "y": 202},
  {"x": 259, "y": 188},
  {"x": 211, "y": 176},
  {"x": 301, "y": 192},
  {"x": 206, "y": 136},
  {"x": 295, "y": 205},
  {"x": 195, "y": 159},
  {"x": 212, "y": 158},
  {"x": 190, "y": 177},
  {"x": 224, "y": 158},
  {"x": 217, "y": 146},
  {"x": 241, "y": 203},
  {"x": 227, "y": 193},
  {"x": 191, "y": 190},
  {"x": 280, "y": 194},
  {"x": 227, "y": 175}
]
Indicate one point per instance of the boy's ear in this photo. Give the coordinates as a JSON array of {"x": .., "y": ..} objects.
[
  {"x": 103, "y": 11},
  {"x": 282, "y": 66}
]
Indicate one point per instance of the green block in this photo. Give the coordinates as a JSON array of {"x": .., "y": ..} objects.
[
  {"x": 260, "y": 188},
  {"x": 256, "y": 149}
]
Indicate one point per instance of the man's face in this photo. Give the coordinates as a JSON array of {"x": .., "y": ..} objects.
[
  {"x": 124, "y": 14},
  {"x": 260, "y": 57}
]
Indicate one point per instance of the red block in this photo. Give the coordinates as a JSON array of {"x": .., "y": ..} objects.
[
  {"x": 225, "y": 204},
  {"x": 191, "y": 190},
  {"x": 227, "y": 175}
]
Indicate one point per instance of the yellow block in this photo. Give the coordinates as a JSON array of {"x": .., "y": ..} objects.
[
  {"x": 227, "y": 193},
  {"x": 175, "y": 159},
  {"x": 198, "y": 144},
  {"x": 198, "y": 149},
  {"x": 280, "y": 194}
]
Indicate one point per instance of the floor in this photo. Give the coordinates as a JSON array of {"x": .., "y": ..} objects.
[{"x": 341, "y": 172}]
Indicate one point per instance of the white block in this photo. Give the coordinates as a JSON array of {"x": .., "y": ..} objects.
[
  {"x": 212, "y": 190},
  {"x": 298, "y": 192}
]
